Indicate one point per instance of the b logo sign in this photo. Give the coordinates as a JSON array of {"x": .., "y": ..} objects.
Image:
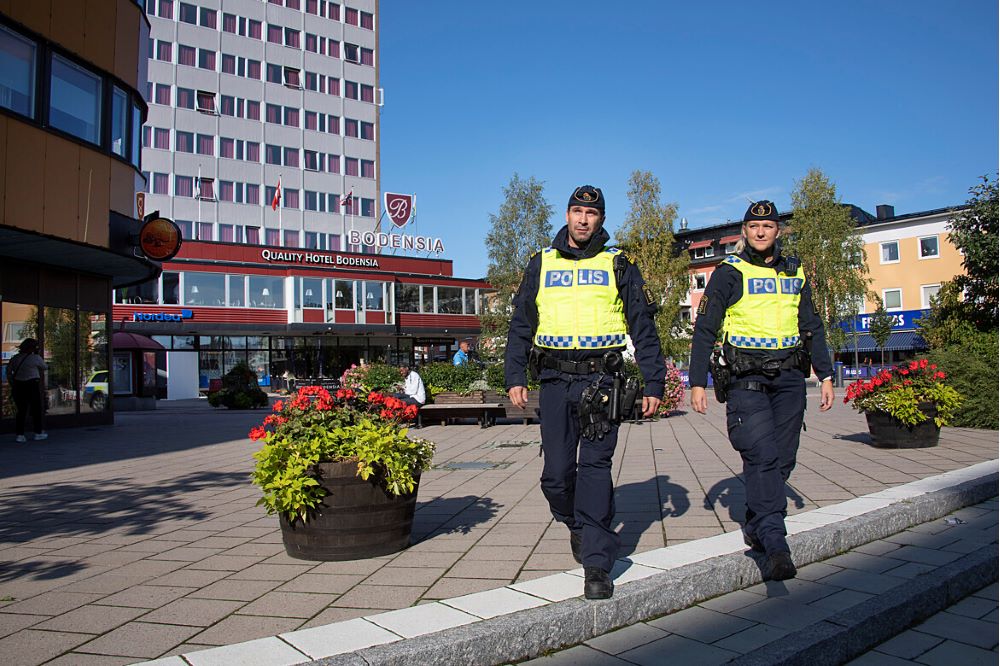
[{"x": 399, "y": 207}]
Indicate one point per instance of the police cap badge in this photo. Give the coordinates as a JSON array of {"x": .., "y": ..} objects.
[
  {"x": 762, "y": 210},
  {"x": 587, "y": 195}
]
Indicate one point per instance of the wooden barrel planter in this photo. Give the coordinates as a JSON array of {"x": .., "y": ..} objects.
[
  {"x": 889, "y": 433},
  {"x": 357, "y": 519}
]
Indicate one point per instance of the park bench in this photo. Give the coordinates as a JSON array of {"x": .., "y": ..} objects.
[{"x": 484, "y": 412}]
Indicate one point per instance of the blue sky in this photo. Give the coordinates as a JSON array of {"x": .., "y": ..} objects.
[{"x": 896, "y": 101}]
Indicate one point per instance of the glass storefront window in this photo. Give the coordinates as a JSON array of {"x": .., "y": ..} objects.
[
  {"x": 94, "y": 362},
  {"x": 427, "y": 299},
  {"x": 259, "y": 362},
  {"x": 164, "y": 340},
  {"x": 267, "y": 292},
  {"x": 470, "y": 301},
  {"x": 236, "y": 342},
  {"x": 171, "y": 288},
  {"x": 312, "y": 293},
  {"x": 209, "y": 367},
  {"x": 237, "y": 291},
  {"x": 256, "y": 342},
  {"x": 407, "y": 298},
  {"x": 374, "y": 297},
  {"x": 343, "y": 294},
  {"x": 75, "y": 100},
  {"x": 17, "y": 73},
  {"x": 59, "y": 352},
  {"x": 204, "y": 288},
  {"x": 449, "y": 300},
  {"x": 20, "y": 321},
  {"x": 142, "y": 293},
  {"x": 183, "y": 342}
]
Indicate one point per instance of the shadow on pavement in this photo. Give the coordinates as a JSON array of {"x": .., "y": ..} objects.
[
  {"x": 731, "y": 494},
  {"x": 451, "y": 515},
  {"x": 640, "y": 505},
  {"x": 860, "y": 438}
]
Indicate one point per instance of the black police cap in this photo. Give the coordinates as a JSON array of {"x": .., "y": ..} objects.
[
  {"x": 587, "y": 195},
  {"x": 762, "y": 210}
]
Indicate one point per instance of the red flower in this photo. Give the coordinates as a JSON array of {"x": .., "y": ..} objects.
[
  {"x": 878, "y": 381},
  {"x": 914, "y": 365},
  {"x": 904, "y": 371},
  {"x": 933, "y": 366},
  {"x": 278, "y": 406},
  {"x": 908, "y": 382},
  {"x": 939, "y": 375},
  {"x": 923, "y": 363},
  {"x": 257, "y": 433}
]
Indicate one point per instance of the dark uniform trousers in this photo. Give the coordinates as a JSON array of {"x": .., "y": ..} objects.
[
  {"x": 579, "y": 489},
  {"x": 764, "y": 428}
]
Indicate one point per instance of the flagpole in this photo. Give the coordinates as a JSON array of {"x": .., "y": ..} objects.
[
  {"x": 281, "y": 233},
  {"x": 197, "y": 231}
]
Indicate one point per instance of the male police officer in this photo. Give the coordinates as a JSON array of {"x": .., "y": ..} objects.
[
  {"x": 576, "y": 302},
  {"x": 769, "y": 321}
]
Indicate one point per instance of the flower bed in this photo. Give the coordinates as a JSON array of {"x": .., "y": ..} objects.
[{"x": 904, "y": 390}]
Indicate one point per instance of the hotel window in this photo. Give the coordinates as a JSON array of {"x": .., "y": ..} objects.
[
  {"x": 311, "y": 201},
  {"x": 700, "y": 280},
  {"x": 292, "y": 78},
  {"x": 161, "y": 183},
  {"x": 350, "y": 127},
  {"x": 253, "y": 194},
  {"x": 367, "y": 169},
  {"x": 185, "y": 98},
  {"x": 253, "y": 235},
  {"x": 449, "y": 300},
  {"x": 206, "y": 59},
  {"x": 367, "y": 57},
  {"x": 166, "y": 9},
  {"x": 183, "y": 186},
  {"x": 333, "y": 48},
  {"x": 291, "y": 239},
  {"x": 350, "y": 89},
  {"x": 204, "y": 288},
  {"x": 470, "y": 301},
  {"x": 188, "y": 14},
  {"x": 185, "y": 55},
  {"x": 333, "y": 163},
  {"x": 206, "y": 101},
  {"x": 893, "y": 299},
  {"x": 273, "y": 73},
  {"x": 929, "y": 247},
  {"x": 312, "y": 120},
  {"x": 351, "y": 166},
  {"x": 333, "y": 203},
  {"x": 227, "y": 105},
  {"x": 162, "y": 94},
  {"x": 253, "y": 110},
  {"x": 274, "y": 34},
  {"x": 229, "y": 23},
  {"x": 290, "y": 199},
  {"x": 206, "y": 189},
  {"x": 351, "y": 53},
  {"x": 161, "y": 138},
  {"x": 236, "y": 293},
  {"x": 367, "y": 94},
  {"x": 343, "y": 294},
  {"x": 310, "y": 160},
  {"x": 292, "y": 38},
  {"x": 350, "y": 16},
  {"x": 272, "y": 154},
  {"x": 928, "y": 292},
  {"x": 147, "y": 139},
  {"x": 183, "y": 141},
  {"x": 227, "y": 148},
  {"x": 253, "y": 152},
  {"x": 890, "y": 252},
  {"x": 253, "y": 29},
  {"x": 253, "y": 69},
  {"x": 427, "y": 299},
  {"x": 75, "y": 100},
  {"x": 171, "y": 288},
  {"x": 312, "y": 243},
  {"x": 292, "y": 4},
  {"x": 374, "y": 295},
  {"x": 367, "y": 207},
  {"x": 272, "y": 113},
  {"x": 205, "y": 230},
  {"x": 312, "y": 43},
  {"x": 333, "y": 11},
  {"x": 367, "y": 131},
  {"x": 206, "y": 144},
  {"x": 367, "y": 21},
  {"x": 228, "y": 64},
  {"x": 164, "y": 51},
  {"x": 312, "y": 288},
  {"x": 208, "y": 18},
  {"x": 333, "y": 124},
  {"x": 119, "y": 121},
  {"x": 226, "y": 193},
  {"x": 291, "y": 116}
]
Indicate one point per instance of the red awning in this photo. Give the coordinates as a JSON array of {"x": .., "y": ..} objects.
[
  {"x": 123, "y": 341},
  {"x": 729, "y": 239},
  {"x": 700, "y": 244}
]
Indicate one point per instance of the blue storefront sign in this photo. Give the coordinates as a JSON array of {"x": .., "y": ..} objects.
[
  {"x": 904, "y": 320},
  {"x": 162, "y": 316}
]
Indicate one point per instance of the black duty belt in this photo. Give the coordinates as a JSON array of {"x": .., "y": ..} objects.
[
  {"x": 588, "y": 367},
  {"x": 751, "y": 385}
]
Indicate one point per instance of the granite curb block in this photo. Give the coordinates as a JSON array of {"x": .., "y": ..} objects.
[
  {"x": 528, "y": 633},
  {"x": 850, "y": 633}
]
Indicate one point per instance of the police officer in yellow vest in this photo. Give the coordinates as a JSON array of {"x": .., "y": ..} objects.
[
  {"x": 577, "y": 301},
  {"x": 763, "y": 303}
]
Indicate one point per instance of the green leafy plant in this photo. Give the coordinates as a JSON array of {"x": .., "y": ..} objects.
[
  {"x": 316, "y": 426},
  {"x": 443, "y": 376},
  {"x": 372, "y": 377},
  {"x": 239, "y": 390},
  {"x": 902, "y": 391}
]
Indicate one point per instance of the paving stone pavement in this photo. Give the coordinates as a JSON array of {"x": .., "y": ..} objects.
[
  {"x": 142, "y": 540},
  {"x": 733, "y": 625}
]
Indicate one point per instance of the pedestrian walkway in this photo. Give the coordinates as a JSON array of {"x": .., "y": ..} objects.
[
  {"x": 783, "y": 622},
  {"x": 142, "y": 540}
]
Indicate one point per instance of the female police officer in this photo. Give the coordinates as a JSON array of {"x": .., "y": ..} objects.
[{"x": 764, "y": 304}]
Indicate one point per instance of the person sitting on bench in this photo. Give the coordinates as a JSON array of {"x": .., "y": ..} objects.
[{"x": 413, "y": 387}]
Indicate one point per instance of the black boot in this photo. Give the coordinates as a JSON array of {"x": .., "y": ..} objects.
[
  {"x": 575, "y": 544},
  {"x": 597, "y": 583},
  {"x": 752, "y": 542},
  {"x": 779, "y": 566}
]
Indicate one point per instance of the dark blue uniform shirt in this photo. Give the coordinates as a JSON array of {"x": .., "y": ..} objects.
[
  {"x": 638, "y": 314},
  {"x": 725, "y": 288}
]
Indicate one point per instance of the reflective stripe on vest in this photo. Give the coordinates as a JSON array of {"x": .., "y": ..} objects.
[
  {"x": 578, "y": 302},
  {"x": 767, "y": 315}
]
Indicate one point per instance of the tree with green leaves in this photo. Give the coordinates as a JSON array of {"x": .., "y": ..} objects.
[
  {"x": 647, "y": 235},
  {"x": 519, "y": 229},
  {"x": 880, "y": 325},
  {"x": 974, "y": 232},
  {"x": 823, "y": 236}
]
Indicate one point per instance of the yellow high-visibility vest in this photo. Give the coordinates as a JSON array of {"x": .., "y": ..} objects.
[
  {"x": 767, "y": 315},
  {"x": 578, "y": 302}
]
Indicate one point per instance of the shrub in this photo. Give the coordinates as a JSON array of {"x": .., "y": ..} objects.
[
  {"x": 443, "y": 376},
  {"x": 973, "y": 371},
  {"x": 372, "y": 377},
  {"x": 673, "y": 391},
  {"x": 239, "y": 390}
]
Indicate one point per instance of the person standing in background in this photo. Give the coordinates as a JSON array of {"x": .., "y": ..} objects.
[{"x": 25, "y": 373}]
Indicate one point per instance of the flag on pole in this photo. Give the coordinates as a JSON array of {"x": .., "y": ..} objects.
[
  {"x": 348, "y": 199},
  {"x": 277, "y": 196}
]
